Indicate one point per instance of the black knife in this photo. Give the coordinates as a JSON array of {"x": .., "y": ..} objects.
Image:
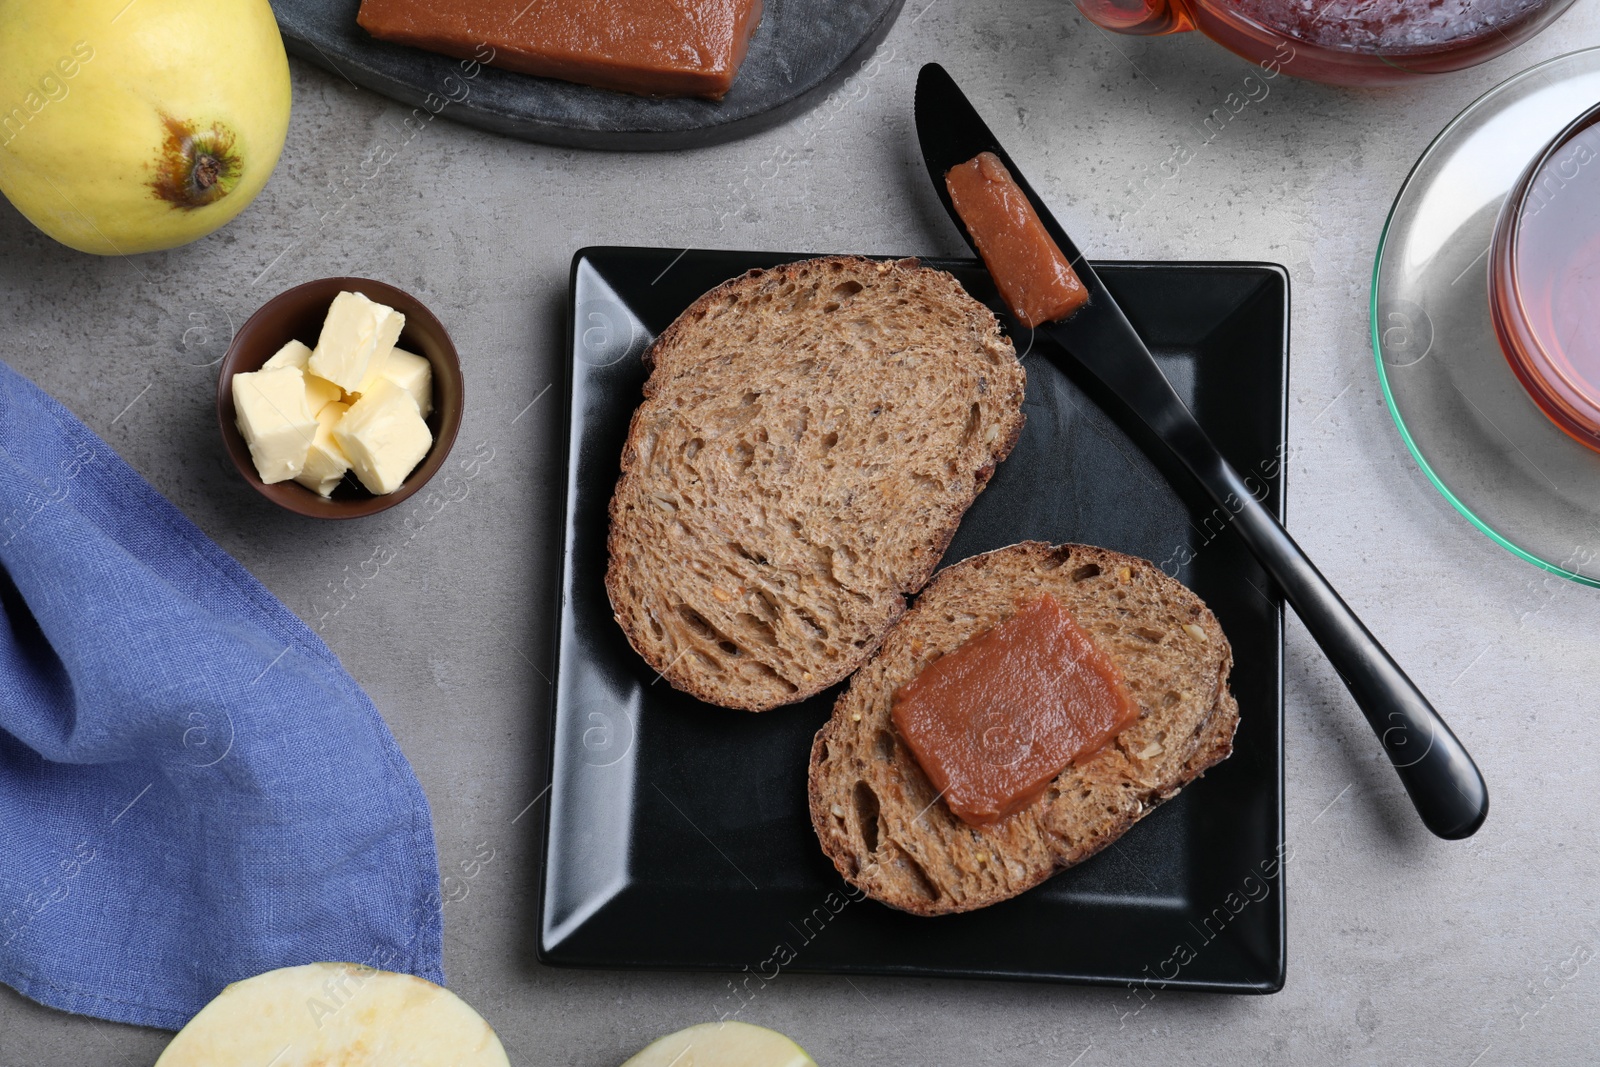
[{"x": 1444, "y": 783}]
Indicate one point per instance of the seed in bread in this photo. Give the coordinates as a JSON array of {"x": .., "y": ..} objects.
[
  {"x": 809, "y": 438},
  {"x": 881, "y": 821}
]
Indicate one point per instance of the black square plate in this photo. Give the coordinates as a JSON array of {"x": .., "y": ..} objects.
[{"x": 677, "y": 834}]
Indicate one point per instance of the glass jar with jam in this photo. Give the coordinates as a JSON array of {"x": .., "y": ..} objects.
[
  {"x": 1544, "y": 279},
  {"x": 1342, "y": 42}
]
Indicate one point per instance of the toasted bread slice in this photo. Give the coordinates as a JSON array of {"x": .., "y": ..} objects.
[
  {"x": 881, "y": 821},
  {"x": 809, "y": 439}
]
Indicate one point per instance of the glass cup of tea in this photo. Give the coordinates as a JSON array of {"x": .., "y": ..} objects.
[
  {"x": 1342, "y": 42},
  {"x": 1544, "y": 279}
]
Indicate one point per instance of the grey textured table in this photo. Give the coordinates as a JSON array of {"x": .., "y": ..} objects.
[{"x": 1402, "y": 948}]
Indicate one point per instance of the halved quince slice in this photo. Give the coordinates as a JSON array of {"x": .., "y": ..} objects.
[
  {"x": 327, "y": 1014},
  {"x": 724, "y": 1044}
]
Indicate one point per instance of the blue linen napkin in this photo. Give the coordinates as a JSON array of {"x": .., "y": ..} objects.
[{"x": 192, "y": 790}]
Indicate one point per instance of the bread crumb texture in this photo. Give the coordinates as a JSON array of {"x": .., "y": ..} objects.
[
  {"x": 809, "y": 439},
  {"x": 880, "y": 820}
]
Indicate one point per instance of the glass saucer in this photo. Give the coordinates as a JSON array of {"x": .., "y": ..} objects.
[{"x": 1467, "y": 420}]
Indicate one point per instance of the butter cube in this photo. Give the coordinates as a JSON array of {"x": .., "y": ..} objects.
[
  {"x": 355, "y": 341},
  {"x": 273, "y": 418},
  {"x": 325, "y": 460},
  {"x": 383, "y": 436},
  {"x": 414, "y": 374},
  {"x": 294, "y": 354},
  {"x": 319, "y": 391}
]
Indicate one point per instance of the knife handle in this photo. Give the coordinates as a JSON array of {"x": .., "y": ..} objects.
[{"x": 1444, "y": 783}]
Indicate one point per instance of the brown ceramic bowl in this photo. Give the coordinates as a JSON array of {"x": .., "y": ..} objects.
[{"x": 297, "y": 314}]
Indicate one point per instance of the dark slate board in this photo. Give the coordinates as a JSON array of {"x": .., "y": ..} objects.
[{"x": 799, "y": 52}]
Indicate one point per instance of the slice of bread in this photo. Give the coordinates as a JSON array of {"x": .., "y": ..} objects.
[
  {"x": 809, "y": 439},
  {"x": 879, "y": 818}
]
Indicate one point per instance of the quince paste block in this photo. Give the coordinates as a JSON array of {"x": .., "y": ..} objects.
[{"x": 649, "y": 47}]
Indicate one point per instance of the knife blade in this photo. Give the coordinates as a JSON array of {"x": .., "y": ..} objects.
[{"x": 1439, "y": 775}]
